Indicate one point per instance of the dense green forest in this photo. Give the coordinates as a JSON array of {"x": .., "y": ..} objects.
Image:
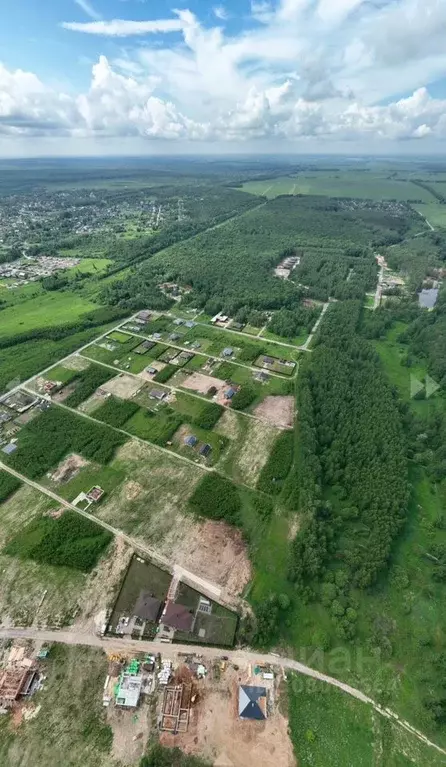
[
  {"x": 353, "y": 486},
  {"x": 231, "y": 268}
]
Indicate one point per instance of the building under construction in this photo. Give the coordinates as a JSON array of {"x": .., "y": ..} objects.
[
  {"x": 176, "y": 708},
  {"x": 15, "y": 683}
]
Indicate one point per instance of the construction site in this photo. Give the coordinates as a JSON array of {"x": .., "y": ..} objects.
[{"x": 21, "y": 675}]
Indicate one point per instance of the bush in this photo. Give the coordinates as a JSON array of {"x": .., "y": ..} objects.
[
  {"x": 243, "y": 398},
  {"x": 208, "y": 416},
  {"x": 160, "y": 756},
  {"x": 163, "y": 375},
  {"x": 278, "y": 465},
  {"x": 116, "y": 412},
  {"x": 87, "y": 382},
  {"x": 70, "y": 541},
  {"x": 217, "y": 498},
  {"x": 8, "y": 485}
]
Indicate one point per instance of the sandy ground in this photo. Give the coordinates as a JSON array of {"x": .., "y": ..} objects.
[
  {"x": 68, "y": 468},
  {"x": 63, "y": 394},
  {"x": 217, "y": 552},
  {"x": 156, "y": 366},
  {"x": 77, "y": 363},
  {"x": 277, "y": 410},
  {"x": 218, "y": 734},
  {"x": 123, "y": 386},
  {"x": 101, "y": 587},
  {"x": 130, "y": 733},
  {"x": 201, "y": 383}
]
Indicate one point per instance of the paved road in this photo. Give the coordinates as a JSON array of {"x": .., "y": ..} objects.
[
  {"x": 112, "y": 645},
  {"x": 208, "y": 588}
]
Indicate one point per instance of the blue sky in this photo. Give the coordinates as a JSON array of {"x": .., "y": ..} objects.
[{"x": 144, "y": 76}]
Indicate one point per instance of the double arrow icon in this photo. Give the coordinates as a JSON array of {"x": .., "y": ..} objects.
[{"x": 429, "y": 386}]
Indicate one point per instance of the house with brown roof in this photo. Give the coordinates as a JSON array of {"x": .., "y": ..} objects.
[{"x": 178, "y": 617}]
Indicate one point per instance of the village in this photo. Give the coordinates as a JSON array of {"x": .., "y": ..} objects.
[{"x": 30, "y": 269}]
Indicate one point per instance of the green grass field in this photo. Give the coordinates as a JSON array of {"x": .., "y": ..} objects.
[
  {"x": 328, "y": 727},
  {"x": 434, "y": 212},
  {"x": 43, "y": 311},
  {"x": 349, "y": 183}
]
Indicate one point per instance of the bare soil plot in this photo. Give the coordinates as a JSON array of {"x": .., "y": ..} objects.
[
  {"x": 63, "y": 394},
  {"x": 123, "y": 386},
  {"x": 229, "y": 425},
  {"x": 76, "y": 362},
  {"x": 68, "y": 468},
  {"x": 215, "y": 551},
  {"x": 91, "y": 404},
  {"x": 277, "y": 410},
  {"x": 201, "y": 383},
  {"x": 218, "y": 734}
]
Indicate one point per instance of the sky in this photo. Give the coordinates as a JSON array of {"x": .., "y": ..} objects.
[{"x": 100, "y": 77}]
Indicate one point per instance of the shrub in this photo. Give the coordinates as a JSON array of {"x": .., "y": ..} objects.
[
  {"x": 208, "y": 416},
  {"x": 87, "y": 382},
  {"x": 217, "y": 498},
  {"x": 116, "y": 412},
  {"x": 243, "y": 398},
  {"x": 278, "y": 465},
  {"x": 8, "y": 485},
  {"x": 70, "y": 541},
  {"x": 163, "y": 375}
]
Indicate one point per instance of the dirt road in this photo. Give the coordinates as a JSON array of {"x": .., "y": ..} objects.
[
  {"x": 111, "y": 645},
  {"x": 210, "y": 589},
  {"x": 306, "y": 346}
]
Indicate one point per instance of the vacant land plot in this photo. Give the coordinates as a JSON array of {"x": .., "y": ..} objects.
[
  {"x": 40, "y": 312},
  {"x": 76, "y": 362},
  {"x": 216, "y": 551},
  {"x": 277, "y": 410},
  {"x": 251, "y": 443},
  {"x": 329, "y": 727},
  {"x": 68, "y": 468},
  {"x": 157, "y": 513},
  {"x": 202, "y": 384},
  {"x": 70, "y": 727},
  {"x": 123, "y": 386},
  {"x": 43, "y": 595}
]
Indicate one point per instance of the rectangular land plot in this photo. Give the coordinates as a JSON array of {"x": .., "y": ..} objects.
[
  {"x": 276, "y": 364},
  {"x": 213, "y": 624},
  {"x": 250, "y": 444},
  {"x": 141, "y": 577}
]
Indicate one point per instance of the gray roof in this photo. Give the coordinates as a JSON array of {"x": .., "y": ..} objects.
[
  {"x": 8, "y": 449},
  {"x": 129, "y": 691},
  {"x": 248, "y": 702},
  {"x": 147, "y": 607}
]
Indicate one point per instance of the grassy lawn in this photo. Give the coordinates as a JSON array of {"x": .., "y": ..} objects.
[
  {"x": 93, "y": 266},
  {"x": 298, "y": 341},
  {"x": 43, "y": 311},
  {"x": 140, "y": 576},
  {"x": 60, "y": 373},
  {"x": 70, "y": 728},
  {"x": 158, "y": 427}
]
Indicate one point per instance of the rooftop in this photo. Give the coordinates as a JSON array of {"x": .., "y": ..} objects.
[
  {"x": 178, "y": 617},
  {"x": 129, "y": 690},
  {"x": 252, "y": 702},
  {"x": 147, "y": 607}
]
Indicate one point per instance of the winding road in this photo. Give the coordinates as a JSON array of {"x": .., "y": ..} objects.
[{"x": 113, "y": 645}]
